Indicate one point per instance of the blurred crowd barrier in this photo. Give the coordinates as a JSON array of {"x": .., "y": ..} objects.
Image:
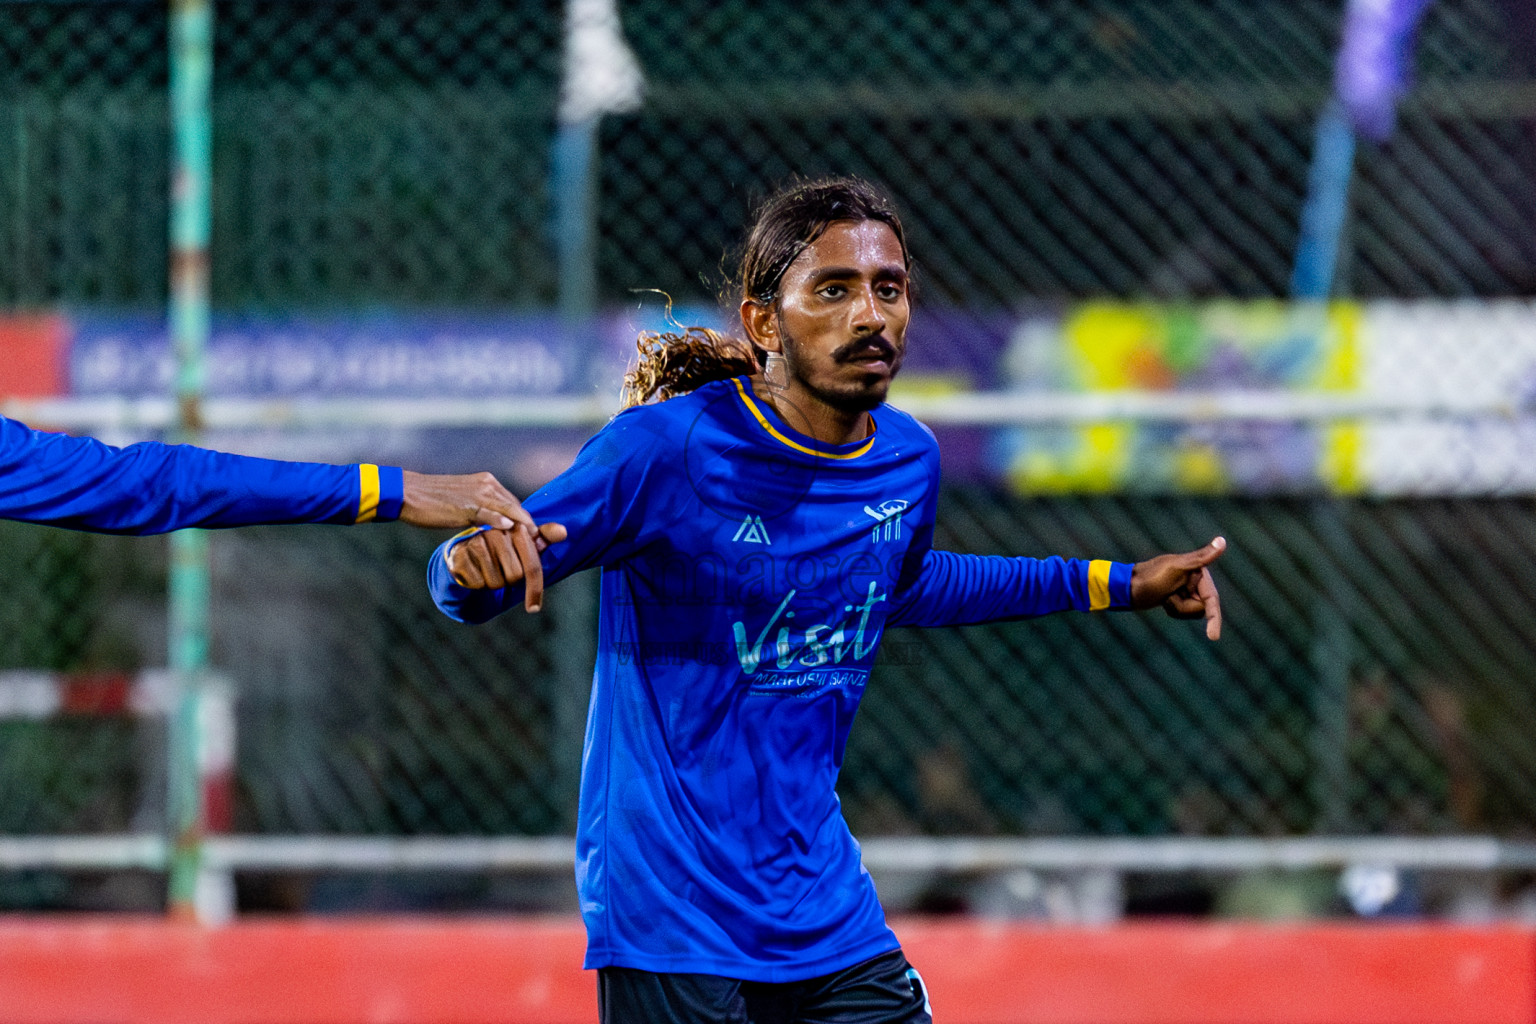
[{"x": 449, "y": 201}]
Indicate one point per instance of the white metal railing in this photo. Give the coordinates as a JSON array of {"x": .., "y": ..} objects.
[
  {"x": 985, "y": 408},
  {"x": 916, "y": 854}
]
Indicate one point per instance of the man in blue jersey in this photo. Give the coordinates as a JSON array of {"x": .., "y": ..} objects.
[
  {"x": 82, "y": 484},
  {"x": 760, "y": 518}
]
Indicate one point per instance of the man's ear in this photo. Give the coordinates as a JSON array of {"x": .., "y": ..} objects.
[{"x": 761, "y": 325}]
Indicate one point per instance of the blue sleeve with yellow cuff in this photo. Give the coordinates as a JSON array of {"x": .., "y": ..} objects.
[
  {"x": 81, "y": 483},
  {"x": 959, "y": 590}
]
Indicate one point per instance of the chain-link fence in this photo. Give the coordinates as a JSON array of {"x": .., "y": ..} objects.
[
  {"x": 1374, "y": 679},
  {"x": 401, "y": 152},
  {"x": 1375, "y": 674}
]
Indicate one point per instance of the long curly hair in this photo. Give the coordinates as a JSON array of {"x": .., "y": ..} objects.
[{"x": 676, "y": 362}]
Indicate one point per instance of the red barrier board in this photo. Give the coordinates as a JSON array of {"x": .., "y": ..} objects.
[
  {"x": 403, "y": 971},
  {"x": 33, "y": 356},
  {"x": 527, "y": 971},
  {"x": 1225, "y": 973}
]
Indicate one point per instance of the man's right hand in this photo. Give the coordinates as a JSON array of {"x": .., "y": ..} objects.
[{"x": 500, "y": 558}]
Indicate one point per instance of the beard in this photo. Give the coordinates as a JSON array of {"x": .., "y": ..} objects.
[{"x": 845, "y": 397}]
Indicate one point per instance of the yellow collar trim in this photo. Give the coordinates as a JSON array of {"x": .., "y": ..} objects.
[{"x": 762, "y": 420}]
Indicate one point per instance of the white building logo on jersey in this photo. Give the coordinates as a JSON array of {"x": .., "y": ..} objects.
[
  {"x": 752, "y": 531},
  {"x": 887, "y": 517}
]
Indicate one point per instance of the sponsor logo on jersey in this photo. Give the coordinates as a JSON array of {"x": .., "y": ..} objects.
[
  {"x": 780, "y": 644},
  {"x": 887, "y": 517},
  {"x": 752, "y": 531}
]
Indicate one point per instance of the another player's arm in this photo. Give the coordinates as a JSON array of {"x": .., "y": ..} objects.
[
  {"x": 81, "y": 483},
  {"x": 953, "y": 589}
]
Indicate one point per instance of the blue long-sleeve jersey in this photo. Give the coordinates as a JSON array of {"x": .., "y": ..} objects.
[
  {"x": 82, "y": 484},
  {"x": 748, "y": 573}
]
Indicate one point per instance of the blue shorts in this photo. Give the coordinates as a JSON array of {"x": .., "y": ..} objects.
[{"x": 885, "y": 990}]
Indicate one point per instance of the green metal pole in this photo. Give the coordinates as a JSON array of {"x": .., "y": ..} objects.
[{"x": 191, "y": 60}]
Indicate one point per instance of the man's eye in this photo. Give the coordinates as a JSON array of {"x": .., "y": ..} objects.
[
  {"x": 890, "y": 292},
  {"x": 834, "y": 291}
]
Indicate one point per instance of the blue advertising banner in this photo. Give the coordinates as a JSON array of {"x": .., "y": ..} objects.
[{"x": 344, "y": 354}]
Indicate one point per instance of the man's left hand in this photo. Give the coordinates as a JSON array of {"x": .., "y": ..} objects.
[{"x": 1182, "y": 584}]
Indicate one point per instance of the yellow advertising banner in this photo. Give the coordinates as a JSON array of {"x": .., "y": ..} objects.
[{"x": 1217, "y": 347}]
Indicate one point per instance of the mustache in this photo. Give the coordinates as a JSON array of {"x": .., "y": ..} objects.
[{"x": 876, "y": 345}]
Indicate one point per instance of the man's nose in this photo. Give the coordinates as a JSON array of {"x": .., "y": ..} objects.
[{"x": 867, "y": 318}]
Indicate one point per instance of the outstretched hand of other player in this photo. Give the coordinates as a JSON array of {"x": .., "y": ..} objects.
[
  {"x": 1182, "y": 584},
  {"x": 501, "y": 558},
  {"x": 453, "y": 502}
]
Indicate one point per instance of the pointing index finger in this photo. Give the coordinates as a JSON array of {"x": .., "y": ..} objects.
[
  {"x": 533, "y": 569},
  {"x": 1206, "y": 588}
]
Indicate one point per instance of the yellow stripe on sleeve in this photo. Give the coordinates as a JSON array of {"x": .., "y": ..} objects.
[
  {"x": 368, "y": 492},
  {"x": 1098, "y": 584}
]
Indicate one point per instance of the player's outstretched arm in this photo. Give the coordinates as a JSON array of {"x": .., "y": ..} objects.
[
  {"x": 954, "y": 589},
  {"x": 1182, "y": 584},
  {"x": 83, "y": 484}
]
